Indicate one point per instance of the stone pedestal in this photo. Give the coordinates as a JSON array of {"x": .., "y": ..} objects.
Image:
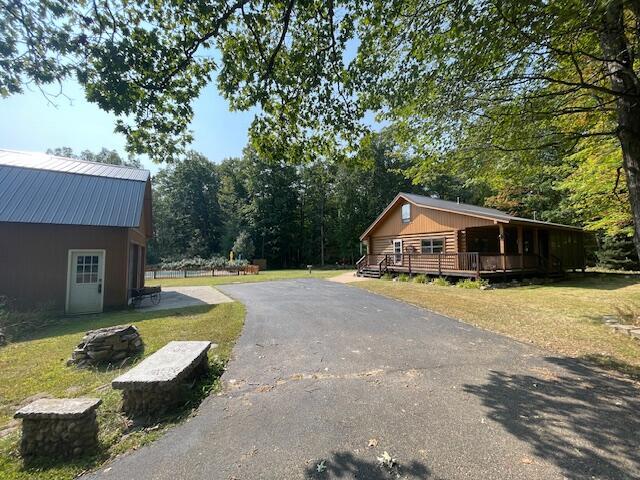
[{"x": 61, "y": 428}]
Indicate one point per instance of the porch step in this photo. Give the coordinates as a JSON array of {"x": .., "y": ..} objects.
[{"x": 369, "y": 273}]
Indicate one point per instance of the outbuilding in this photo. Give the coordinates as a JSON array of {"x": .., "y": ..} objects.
[{"x": 73, "y": 234}]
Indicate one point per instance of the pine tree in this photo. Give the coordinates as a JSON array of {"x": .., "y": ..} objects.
[{"x": 617, "y": 253}]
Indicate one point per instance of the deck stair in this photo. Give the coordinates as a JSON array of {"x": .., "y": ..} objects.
[{"x": 369, "y": 272}]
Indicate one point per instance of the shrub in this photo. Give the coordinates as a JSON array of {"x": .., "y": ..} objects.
[
  {"x": 470, "y": 283},
  {"x": 421, "y": 278},
  {"x": 387, "y": 276},
  {"x": 441, "y": 282},
  {"x": 202, "y": 263},
  {"x": 403, "y": 277}
]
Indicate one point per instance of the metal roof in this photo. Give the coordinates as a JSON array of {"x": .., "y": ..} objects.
[
  {"x": 63, "y": 191},
  {"x": 464, "y": 209},
  {"x": 44, "y": 161},
  {"x": 425, "y": 201}
]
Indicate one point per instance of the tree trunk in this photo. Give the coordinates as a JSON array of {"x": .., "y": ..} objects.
[
  {"x": 625, "y": 82},
  {"x": 630, "y": 142},
  {"x": 322, "y": 230}
]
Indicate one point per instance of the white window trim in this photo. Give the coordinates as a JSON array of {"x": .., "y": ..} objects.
[
  {"x": 395, "y": 254},
  {"x": 432, "y": 239},
  {"x": 69, "y": 274},
  {"x": 402, "y": 219}
]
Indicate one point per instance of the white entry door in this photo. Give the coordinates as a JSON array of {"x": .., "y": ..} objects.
[
  {"x": 85, "y": 286},
  {"x": 397, "y": 252}
]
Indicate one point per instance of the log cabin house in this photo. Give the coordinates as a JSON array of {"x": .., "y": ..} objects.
[
  {"x": 419, "y": 234},
  {"x": 73, "y": 234}
]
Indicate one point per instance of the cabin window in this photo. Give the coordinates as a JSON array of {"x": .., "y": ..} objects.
[
  {"x": 406, "y": 213},
  {"x": 432, "y": 245}
]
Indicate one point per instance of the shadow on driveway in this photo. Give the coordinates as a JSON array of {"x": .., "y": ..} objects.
[
  {"x": 347, "y": 465},
  {"x": 598, "y": 412}
]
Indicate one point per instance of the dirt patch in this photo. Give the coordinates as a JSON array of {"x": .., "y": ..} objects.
[{"x": 347, "y": 277}]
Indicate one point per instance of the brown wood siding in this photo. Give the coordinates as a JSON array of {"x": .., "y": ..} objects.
[
  {"x": 411, "y": 243},
  {"x": 34, "y": 262},
  {"x": 568, "y": 246},
  {"x": 424, "y": 220}
]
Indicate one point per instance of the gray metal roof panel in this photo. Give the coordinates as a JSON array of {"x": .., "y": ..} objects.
[
  {"x": 29, "y": 195},
  {"x": 43, "y": 161}
]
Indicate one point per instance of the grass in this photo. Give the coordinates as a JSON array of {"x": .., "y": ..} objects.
[
  {"x": 563, "y": 317},
  {"x": 36, "y": 367},
  {"x": 266, "y": 276}
]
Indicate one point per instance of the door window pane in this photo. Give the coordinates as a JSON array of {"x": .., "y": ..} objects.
[{"x": 87, "y": 267}]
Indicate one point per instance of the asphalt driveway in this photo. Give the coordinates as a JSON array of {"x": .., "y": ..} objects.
[{"x": 329, "y": 372}]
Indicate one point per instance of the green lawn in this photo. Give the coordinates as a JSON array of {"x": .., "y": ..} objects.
[
  {"x": 563, "y": 317},
  {"x": 266, "y": 276},
  {"x": 36, "y": 367}
]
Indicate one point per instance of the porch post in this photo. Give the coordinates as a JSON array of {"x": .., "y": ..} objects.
[
  {"x": 521, "y": 246},
  {"x": 502, "y": 246}
]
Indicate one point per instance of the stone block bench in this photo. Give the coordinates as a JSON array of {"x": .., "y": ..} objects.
[
  {"x": 59, "y": 427},
  {"x": 159, "y": 382}
]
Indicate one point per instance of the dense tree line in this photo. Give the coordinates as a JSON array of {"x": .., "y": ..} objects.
[
  {"x": 291, "y": 215},
  {"x": 313, "y": 213}
]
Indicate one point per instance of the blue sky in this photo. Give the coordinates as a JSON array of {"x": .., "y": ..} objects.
[{"x": 29, "y": 122}]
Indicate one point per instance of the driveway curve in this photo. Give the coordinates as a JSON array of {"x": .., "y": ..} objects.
[{"x": 326, "y": 377}]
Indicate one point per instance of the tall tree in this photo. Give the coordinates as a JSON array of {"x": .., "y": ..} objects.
[
  {"x": 187, "y": 217},
  {"x": 272, "y": 188},
  {"x": 236, "y": 207}
]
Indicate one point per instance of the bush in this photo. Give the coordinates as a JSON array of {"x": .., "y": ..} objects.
[
  {"x": 470, "y": 283},
  {"x": 422, "y": 278},
  {"x": 441, "y": 282},
  {"x": 403, "y": 277},
  {"x": 387, "y": 276},
  {"x": 195, "y": 263}
]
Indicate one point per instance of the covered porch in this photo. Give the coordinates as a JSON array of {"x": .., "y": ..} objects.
[{"x": 485, "y": 252}]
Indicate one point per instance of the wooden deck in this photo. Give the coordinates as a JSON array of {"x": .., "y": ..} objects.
[{"x": 462, "y": 264}]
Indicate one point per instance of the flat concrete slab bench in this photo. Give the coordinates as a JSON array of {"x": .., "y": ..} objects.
[
  {"x": 158, "y": 382},
  {"x": 59, "y": 427}
]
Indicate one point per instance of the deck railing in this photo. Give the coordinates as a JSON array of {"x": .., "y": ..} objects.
[{"x": 468, "y": 262}]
